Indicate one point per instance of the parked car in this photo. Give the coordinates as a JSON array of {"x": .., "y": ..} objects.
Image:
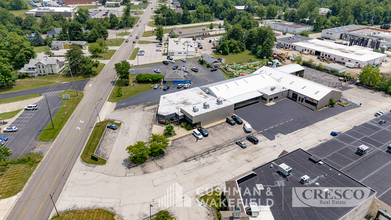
[
  {"x": 2, "y": 143},
  {"x": 241, "y": 144},
  {"x": 237, "y": 119},
  {"x": 166, "y": 88},
  {"x": 179, "y": 86},
  {"x": 187, "y": 85},
  {"x": 186, "y": 70},
  {"x": 126, "y": 41},
  {"x": 134, "y": 42},
  {"x": 10, "y": 129},
  {"x": 382, "y": 122},
  {"x": 156, "y": 86},
  {"x": 112, "y": 126},
  {"x": 200, "y": 47},
  {"x": 157, "y": 71},
  {"x": 252, "y": 139},
  {"x": 158, "y": 50},
  {"x": 335, "y": 133},
  {"x": 31, "y": 107},
  {"x": 230, "y": 121},
  {"x": 183, "y": 60},
  {"x": 379, "y": 113},
  {"x": 169, "y": 58},
  {"x": 195, "y": 69},
  {"x": 175, "y": 67},
  {"x": 247, "y": 128},
  {"x": 4, "y": 138},
  {"x": 197, "y": 134},
  {"x": 165, "y": 62},
  {"x": 159, "y": 44},
  {"x": 213, "y": 69},
  {"x": 172, "y": 61},
  {"x": 203, "y": 131}
]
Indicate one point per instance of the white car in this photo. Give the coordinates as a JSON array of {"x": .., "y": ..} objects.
[
  {"x": 159, "y": 44},
  {"x": 172, "y": 61},
  {"x": 197, "y": 134},
  {"x": 31, "y": 107},
  {"x": 183, "y": 60},
  {"x": 157, "y": 71},
  {"x": 11, "y": 129},
  {"x": 158, "y": 50},
  {"x": 379, "y": 113}
]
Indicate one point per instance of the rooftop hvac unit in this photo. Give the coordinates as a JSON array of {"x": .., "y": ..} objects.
[
  {"x": 207, "y": 91},
  {"x": 284, "y": 169},
  {"x": 236, "y": 212},
  {"x": 254, "y": 209},
  {"x": 195, "y": 109},
  {"x": 219, "y": 101},
  {"x": 304, "y": 179},
  {"x": 272, "y": 88},
  {"x": 206, "y": 105}
]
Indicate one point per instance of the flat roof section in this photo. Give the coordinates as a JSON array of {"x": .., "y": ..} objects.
[
  {"x": 344, "y": 28},
  {"x": 372, "y": 33},
  {"x": 286, "y": 23},
  {"x": 294, "y": 39},
  {"x": 280, "y": 189},
  {"x": 181, "y": 44}
]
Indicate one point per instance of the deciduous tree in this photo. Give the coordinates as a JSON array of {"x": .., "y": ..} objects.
[
  {"x": 138, "y": 153},
  {"x": 159, "y": 33},
  {"x": 122, "y": 70}
]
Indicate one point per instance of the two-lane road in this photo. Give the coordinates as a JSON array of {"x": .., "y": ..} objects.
[{"x": 52, "y": 174}]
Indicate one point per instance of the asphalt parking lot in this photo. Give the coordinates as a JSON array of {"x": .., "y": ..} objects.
[
  {"x": 372, "y": 169},
  {"x": 285, "y": 116},
  {"x": 30, "y": 125},
  {"x": 202, "y": 77}
]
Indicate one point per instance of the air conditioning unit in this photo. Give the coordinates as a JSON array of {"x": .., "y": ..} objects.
[
  {"x": 195, "y": 109},
  {"x": 206, "y": 105},
  {"x": 304, "y": 179},
  {"x": 219, "y": 101},
  {"x": 284, "y": 169},
  {"x": 254, "y": 209},
  {"x": 236, "y": 212}
]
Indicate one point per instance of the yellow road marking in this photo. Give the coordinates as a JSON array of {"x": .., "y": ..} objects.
[{"x": 51, "y": 164}]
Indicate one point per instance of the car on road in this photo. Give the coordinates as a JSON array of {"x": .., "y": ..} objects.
[
  {"x": 4, "y": 138},
  {"x": 157, "y": 71},
  {"x": 112, "y": 126},
  {"x": 166, "y": 88},
  {"x": 179, "y": 86},
  {"x": 10, "y": 129},
  {"x": 156, "y": 86},
  {"x": 237, "y": 119},
  {"x": 197, "y": 134},
  {"x": 183, "y": 60},
  {"x": 130, "y": 34},
  {"x": 252, "y": 139},
  {"x": 158, "y": 50},
  {"x": 165, "y": 62},
  {"x": 187, "y": 85},
  {"x": 241, "y": 144},
  {"x": 335, "y": 133},
  {"x": 203, "y": 131},
  {"x": 126, "y": 41},
  {"x": 382, "y": 122},
  {"x": 175, "y": 67},
  {"x": 136, "y": 37},
  {"x": 213, "y": 69},
  {"x": 31, "y": 107},
  {"x": 230, "y": 121},
  {"x": 134, "y": 42},
  {"x": 172, "y": 61},
  {"x": 195, "y": 69}
]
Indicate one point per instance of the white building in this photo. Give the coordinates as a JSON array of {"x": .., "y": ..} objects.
[
  {"x": 216, "y": 101},
  {"x": 369, "y": 37},
  {"x": 66, "y": 11},
  {"x": 56, "y": 45},
  {"x": 41, "y": 67},
  {"x": 337, "y": 33},
  {"x": 289, "y": 27},
  {"x": 182, "y": 47},
  {"x": 324, "y": 11}
]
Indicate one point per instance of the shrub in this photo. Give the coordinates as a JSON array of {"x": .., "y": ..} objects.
[
  {"x": 188, "y": 127},
  {"x": 119, "y": 92},
  {"x": 332, "y": 102},
  {"x": 126, "y": 82},
  {"x": 183, "y": 124},
  {"x": 169, "y": 129},
  {"x": 207, "y": 65},
  {"x": 148, "y": 77},
  {"x": 163, "y": 215}
]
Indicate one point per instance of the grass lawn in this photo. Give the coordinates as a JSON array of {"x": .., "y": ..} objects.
[
  {"x": 87, "y": 6},
  {"x": 147, "y": 42},
  {"x": 138, "y": 12},
  {"x": 128, "y": 91},
  {"x": 19, "y": 98},
  {"x": 242, "y": 57},
  {"x": 114, "y": 42},
  {"x": 150, "y": 34},
  {"x": 63, "y": 114},
  {"x": 8, "y": 115},
  {"x": 13, "y": 178},
  {"x": 87, "y": 214},
  {"x": 151, "y": 23},
  {"x": 212, "y": 200},
  {"x": 142, "y": 6},
  {"x": 134, "y": 53},
  {"x": 39, "y": 49},
  {"x": 124, "y": 33},
  {"x": 93, "y": 142},
  {"x": 107, "y": 55},
  {"x": 20, "y": 12}
]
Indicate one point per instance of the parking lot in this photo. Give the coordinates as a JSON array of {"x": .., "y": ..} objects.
[
  {"x": 373, "y": 168},
  {"x": 202, "y": 77},
  {"x": 99, "y": 12}
]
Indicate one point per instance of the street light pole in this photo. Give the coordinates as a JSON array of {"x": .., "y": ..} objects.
[
  {"x": 150, "y": 211},
  {"x": 77, "y": 95},
  {"x": 50, "y": 114}
]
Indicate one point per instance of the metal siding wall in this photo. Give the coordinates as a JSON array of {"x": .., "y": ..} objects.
[
  {"x": 213, "y": 116},
  {"x": 360, "y": 211}
]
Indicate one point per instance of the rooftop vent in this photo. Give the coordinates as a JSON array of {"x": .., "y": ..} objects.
[
  {"x": 195, "y": 109},
  {"x": 207, "y": 91},
  {"x": 272, "y": 88},
  {"x": 219, "y": 101},
  {"x": 314, "y": 159},
  {"x": 284, "y": 169},
  {"x": 254, "y": 209},
  {"x": 236, "y": 212},
  {"x": 304, "y": 179},
  {"x": 303, "y": 87},
  {"x": 206, "y": 105}
]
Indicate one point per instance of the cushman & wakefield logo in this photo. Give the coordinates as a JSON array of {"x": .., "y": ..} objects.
[{"x": 329, "y": 197}]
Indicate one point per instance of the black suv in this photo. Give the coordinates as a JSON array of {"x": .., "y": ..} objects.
[
  {"x": 166, "y": 88},
  {"x": 252, "y": 139},
  {"x": 237, "y": 119},
  {"x": 230, "y": 121},
  {"x": 165, "y": 62},
  {"x": 175, "y": 67},
  {"x": 203, "y": 131},
  {"x": 195, "y": 69},
  {"x": 213, "y": 69}
]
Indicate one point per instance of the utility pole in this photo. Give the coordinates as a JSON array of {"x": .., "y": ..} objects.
[
  {"x": 77, "y": 95},
  {"x": 50, "y": 114},
  {"x": 54, "y": 205},
  {"x": 97, "y": 114},
  {"x": 150, "y": 211}
]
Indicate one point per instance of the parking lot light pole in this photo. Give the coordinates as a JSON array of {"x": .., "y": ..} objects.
[{"x": 150, "y": 211}]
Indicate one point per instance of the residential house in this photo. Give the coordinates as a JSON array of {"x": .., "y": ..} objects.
[
  {"x": 54, "y": 33},
  {"x": 40, "y": 67},
  {"x": 211, "y": 60}
]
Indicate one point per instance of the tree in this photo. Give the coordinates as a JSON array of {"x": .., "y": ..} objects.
[
  {"x": 113, "y": 21},
  {"x": 103, "y": 2},
  {"x": 169, "y": 129},
  {"x": 261, "y": 12},
  {"x": 157, "y": 145},
  {"x": 220, "y": 26},
  {"x": 345, "y": 16},
  {"x": 163, "y": 215},
  {"x": 305, "y": 33},
  {"x": 17, "y": 5},
  {"x": 95, "y": 49},
  {"x": 16, "y": 50},
  {"x": 5, "y": 73},
  {"x": 48, "y": 41},
  {"x": 286, "y": 14},
  {"x": 138, "y": 153},
  {"x": 211, "y": 26},
  {"x": 122, "y": 70},
  {"x": 75, "y": 56},
  {"x": 93, "y": 35},
  {"x": 370, "y": 76},
  {"x": 38, "y": 39},
  {"x": 30, "y": 23},
  {"x": 5, "y": 152},
  {"x": 159, "y": 33},
  {"x": 82, "y": 16},
  {"x": 271, "y": 11}
]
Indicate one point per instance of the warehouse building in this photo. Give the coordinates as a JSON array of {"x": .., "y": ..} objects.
[
  {"x": 182, "y": 47},
  {"x": 338, "y": 32},
  {"x": 190, "y": 32},
  {"x": 66, "y": 11},
  {"x": 288, "y": 27},
  {"x": 284, "y": 189},
  {"x": 369, "y": 37},
  {"x": 335, "y": 67},
  {"x": 216, "y": 101}
]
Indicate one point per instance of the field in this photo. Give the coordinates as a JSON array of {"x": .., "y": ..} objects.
[
  {"x": 124, "y": 33},
  {"x": 39, "y": 49},
  {"x": 128, "y": 91},
  {"x": 8, "y": 115},
  {"x": 88, "y": 214},
  {"x": 114, "y": 42},
  {"x": 242, "y": 57},
  {"x": 107, "y": 55}
]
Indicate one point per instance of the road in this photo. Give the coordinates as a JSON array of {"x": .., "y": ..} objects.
[{"x": 54, "y": 170}]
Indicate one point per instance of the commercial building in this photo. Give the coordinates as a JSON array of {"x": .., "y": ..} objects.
[
  {"x": 337, "y": 33},
  {"x": 176, "y": 76},
  {"x": 190, "y": 32},
  {"x": 41, "y": 67},
  {"x": 56, "y": 45},
  {"x": 66, "y": 11},
  {"x": 213, "y": 102},
  {"x": 112, "y": 4},
  {"x": 335, "y": 67},
  {"x": 357, "y": 55},
  {"x": 182, "y": 47},
  {"x": 284, "y": 189},
  {"x": 289, "y": 27},
  {"x": 211, "y": 60},
  {"x": 374, "y": 38}
]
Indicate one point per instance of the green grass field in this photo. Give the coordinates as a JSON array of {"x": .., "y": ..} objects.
[
  {"x": 39, "y": 49},
  {"x": 8, "y": 115},
  {"x": 134, "y": 53},
  {"x": 128, "y": 91},
  {"x": 13, "y": 178},
  {"x": 93, "y": 142},
  {"x": 107, "y": 56},
  {"x": 242, "y": 57},
  {"x": 88, "y": 214},
  {"x": 207, "y": 26},
  {"x": 151, "y": 23},
  {"x": 63, "y": 114},
  {"x": 150, "y": 34},
  {"x": 114, "y": 42},
  {"x": 87, "y": 6},
  {"x": 147, "y": 42},
  {"x": 19, "y": 98},
  {"x": 124, "y": 33},
  {"x": 212, "y": 200},
  {"x": 138, "y": 12}
]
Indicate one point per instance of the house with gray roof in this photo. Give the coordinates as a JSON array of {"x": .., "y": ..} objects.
[
  {"x": 54, "y": 33},
  {"x": 56, "y": 45},
  {"x": 41, "y": 67},
  {"x": 190, "y": 32},
  {"x": 177, "y": 77},
  {"x": 211, "y": 60}
]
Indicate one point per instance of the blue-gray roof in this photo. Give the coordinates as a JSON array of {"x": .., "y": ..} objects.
[{"x": 345, "y": 28}]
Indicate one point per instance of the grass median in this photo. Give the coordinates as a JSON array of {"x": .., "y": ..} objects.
[
  {"x": 129, "y": 91},
  {"x": 147, "y": 42},
  {"x": 107, "y": 55},
  {"x": 126, "y": 33},
  {"x": 150, "y": 34},
  {"x": 93, "y": 142},
  {"x": 19, "y": 98},
  {"x": 87, "y": 214},
  {"x": 63, "y": 114},
  {"x": 134, "y": 53},
  {"x": 8, "y": 115},
  {"x": 14, "y": 173}
]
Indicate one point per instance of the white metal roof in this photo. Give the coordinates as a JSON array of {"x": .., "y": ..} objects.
[
  {"x": 351, "y": 52},
  {"x": 291, "y": 68},
  {"x": 181, "y": 44},
  {"x": 240, "y": 7},
  {"x": 53, "y": 9}
]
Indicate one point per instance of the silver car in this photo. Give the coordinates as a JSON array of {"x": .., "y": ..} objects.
[
  {"x": 11, "y": 129},
  {"x": 31, "y": 107}
]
